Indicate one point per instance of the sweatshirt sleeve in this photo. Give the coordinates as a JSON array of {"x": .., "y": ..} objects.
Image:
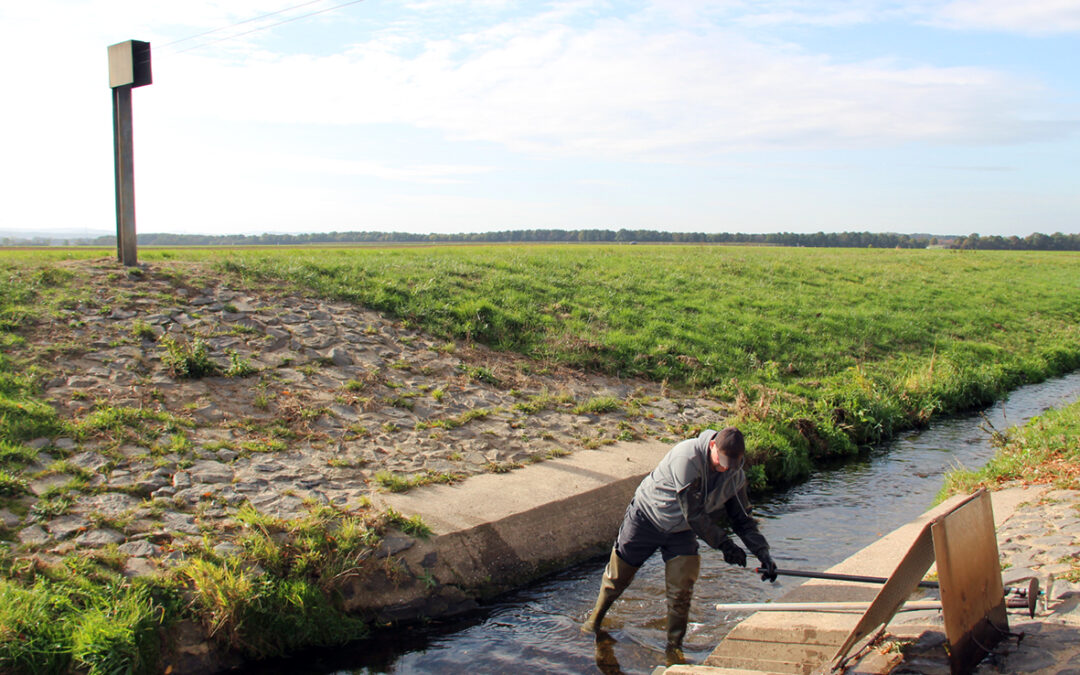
[
  {"x": 692, "y": 502},
  {"x": 743, "y": 524}
]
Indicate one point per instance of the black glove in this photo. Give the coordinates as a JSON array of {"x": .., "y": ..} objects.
[
  {"x": 733, "y": 555},
  {"x": 768, "y": 567}
]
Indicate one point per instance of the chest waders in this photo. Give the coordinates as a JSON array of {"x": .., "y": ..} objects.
[
  {"x": 680, "y": 573},
  {"x": 617, "y": 576}
]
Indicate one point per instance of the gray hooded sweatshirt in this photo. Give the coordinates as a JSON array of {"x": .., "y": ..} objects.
[{"x": 684, "y": 493}]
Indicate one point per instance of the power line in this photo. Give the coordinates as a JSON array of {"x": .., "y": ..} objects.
[
  {"x": 273, "y": 25},
  {"x": 240, "y": 23}
]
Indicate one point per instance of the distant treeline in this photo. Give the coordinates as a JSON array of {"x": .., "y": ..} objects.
[{"x": 1033, "y": 242}]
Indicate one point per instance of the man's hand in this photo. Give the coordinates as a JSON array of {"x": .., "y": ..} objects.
[
  {"x": 768, "y": 567},
  {"x": 733, "y": 555}
]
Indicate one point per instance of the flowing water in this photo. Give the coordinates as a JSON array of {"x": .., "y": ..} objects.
[{"x": 811, "y": 526}]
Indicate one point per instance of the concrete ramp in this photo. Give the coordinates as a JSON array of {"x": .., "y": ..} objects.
[{"x": 494, "y": 532}]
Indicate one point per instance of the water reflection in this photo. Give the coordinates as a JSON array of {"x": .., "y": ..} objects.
[{"x": 812, "y": 526}]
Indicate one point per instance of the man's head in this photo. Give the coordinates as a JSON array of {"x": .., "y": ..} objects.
[{"x": 726, "y": 449}]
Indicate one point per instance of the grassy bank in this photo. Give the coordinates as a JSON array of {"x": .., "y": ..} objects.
[
  {"x": 817, "y": 351},
  {"x": 1046, "y": 450}
]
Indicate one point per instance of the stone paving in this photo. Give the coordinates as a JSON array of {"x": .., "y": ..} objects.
[
  {"x": 336, "y": 395},
  {"x": 1040, "y": 540}
]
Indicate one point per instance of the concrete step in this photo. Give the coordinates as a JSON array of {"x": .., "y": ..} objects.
[
  {"x": 760, "y": 665},
  {"x": 709, "y": 670},
  {"x": 775, "y": 651},
  {"x": 791, "y": 627}
]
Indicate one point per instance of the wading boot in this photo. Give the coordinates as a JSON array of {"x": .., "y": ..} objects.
[
  {"x": 680, "y": 573},
  {"x": 617, "y": 576}
]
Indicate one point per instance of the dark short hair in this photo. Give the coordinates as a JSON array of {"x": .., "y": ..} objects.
[{"x": 731, "y": 443}]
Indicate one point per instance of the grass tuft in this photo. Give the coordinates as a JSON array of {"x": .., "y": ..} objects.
[{"x": 187, "y": 360}]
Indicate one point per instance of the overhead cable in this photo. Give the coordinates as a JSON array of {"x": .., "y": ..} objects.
[
  {"x": 240, "y": 23},
  {"x": 260, "y": 28}
]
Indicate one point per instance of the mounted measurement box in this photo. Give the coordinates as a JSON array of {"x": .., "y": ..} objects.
[{"x": 129, "y": 64}]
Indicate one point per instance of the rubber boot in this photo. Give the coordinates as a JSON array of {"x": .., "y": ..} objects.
[
  {"x": 680, "y": 573},
  {"x": 617, "y": 576}
]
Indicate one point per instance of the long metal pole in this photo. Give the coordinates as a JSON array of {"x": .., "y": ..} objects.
[
  {"x": 846, "y": 577},
  {"x": 910, "y": 606},
  {"x": 856, "y": 578},
  {"x": 125, "y": 176}
]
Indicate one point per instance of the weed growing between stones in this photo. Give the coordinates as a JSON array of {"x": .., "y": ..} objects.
[
  {"x": 10, "y": 485},
  {"x": 187, "y": 359},
  {"x": 457, "y": 421},
  {"x": 403, "y": 400},
  {"x": 597, "y": 405},
  {"x": 142, "y": 330},
  {"x": 124, "y": 423},
  {"x": 51, "y": 505},
  {"x": 238, "y": 366},
  {"x": 545, "y": 400},
  {"x": 480, "y": 374},
  {"x": 1073, "y": 575},
  {"x": 413, "y": 525},
  {"x": 395, "y": 482},
  {"x": 502, "y": 467}
]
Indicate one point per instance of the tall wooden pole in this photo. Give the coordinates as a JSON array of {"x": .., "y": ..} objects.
[
  {"x": 124, "y": 154},
  {"x": 129, "y": 67}
]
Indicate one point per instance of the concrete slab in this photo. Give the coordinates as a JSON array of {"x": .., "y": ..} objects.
[
  {"x": 490, "y": 498},
  {"x": 494, "y": 532}
]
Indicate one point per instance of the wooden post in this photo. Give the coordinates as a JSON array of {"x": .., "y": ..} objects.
[
  {"x": 124, "y": 153},
  {"x": 129, "y": 67}
]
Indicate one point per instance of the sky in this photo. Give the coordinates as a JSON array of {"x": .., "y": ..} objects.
[{"x": 947, "y": 117}]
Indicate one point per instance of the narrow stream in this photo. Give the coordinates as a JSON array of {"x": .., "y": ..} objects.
[{"x": 811, "y": 526}]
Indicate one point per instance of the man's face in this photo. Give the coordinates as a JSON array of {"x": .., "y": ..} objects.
[{"x": 717, "y": 459}]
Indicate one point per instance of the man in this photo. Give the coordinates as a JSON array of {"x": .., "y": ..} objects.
[{"x": 672, "y": 507}]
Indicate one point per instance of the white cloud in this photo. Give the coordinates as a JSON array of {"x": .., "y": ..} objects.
[
  {"x": 615, "y": 89},
  {"x": 1037, "y": 17}
]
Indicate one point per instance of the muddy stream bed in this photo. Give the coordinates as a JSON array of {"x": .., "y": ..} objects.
[{"x": 811, "y": 526}]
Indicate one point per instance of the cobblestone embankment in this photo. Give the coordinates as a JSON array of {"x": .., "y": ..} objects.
[{"x": 336, "y": 400}]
